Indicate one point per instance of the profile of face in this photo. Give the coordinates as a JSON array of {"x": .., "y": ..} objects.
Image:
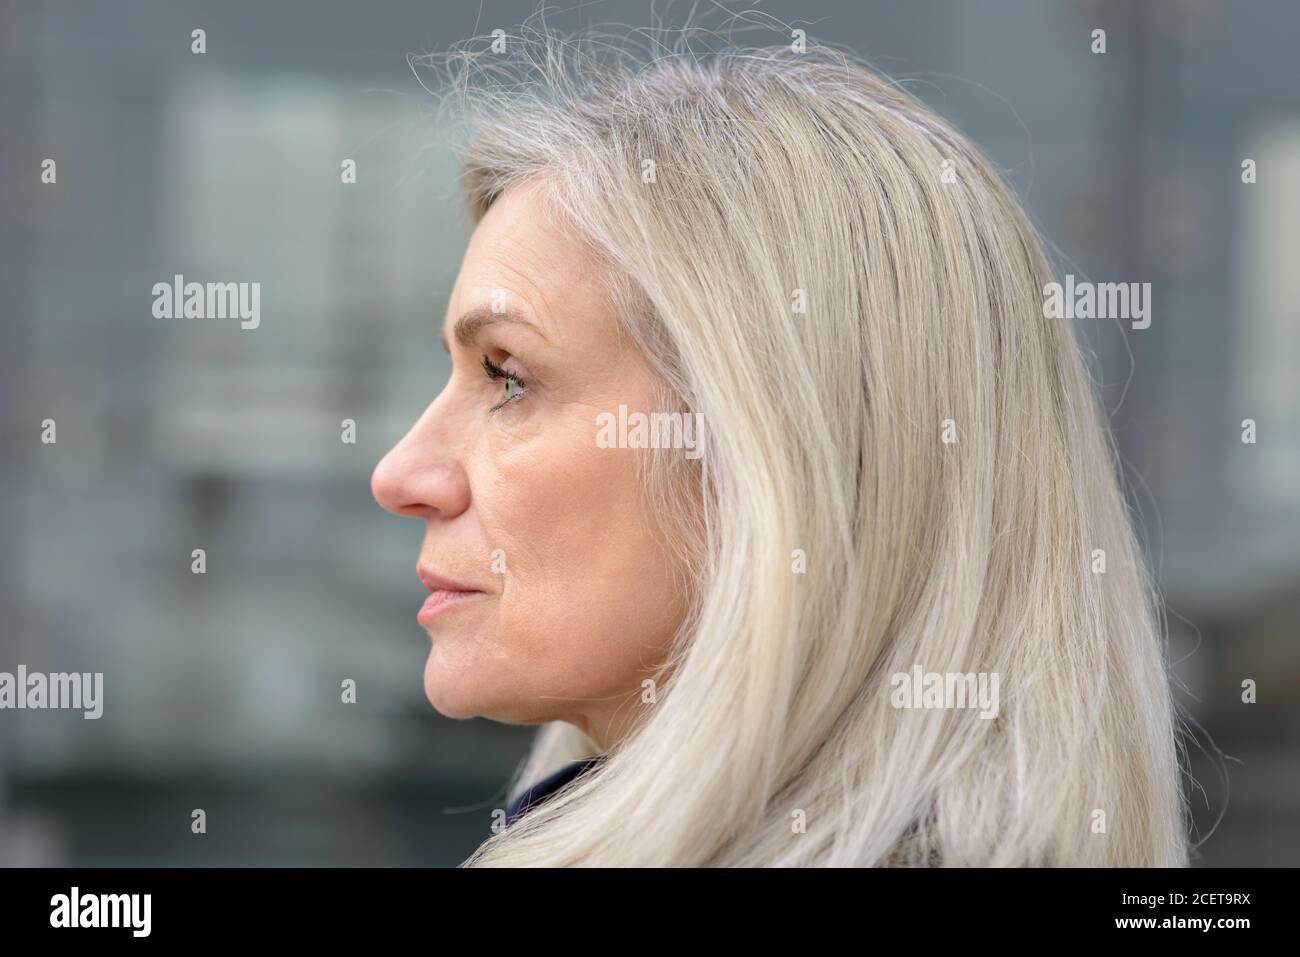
[{"x": 551, "y": 596}]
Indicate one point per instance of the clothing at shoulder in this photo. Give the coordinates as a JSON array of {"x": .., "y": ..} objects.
[{"x": 546, "y": 787}]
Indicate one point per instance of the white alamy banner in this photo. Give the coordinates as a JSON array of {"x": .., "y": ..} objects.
[{"x": 37, "y": 690}]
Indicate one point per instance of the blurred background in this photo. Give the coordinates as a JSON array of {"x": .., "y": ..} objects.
[{"x": 223, "y": 690}]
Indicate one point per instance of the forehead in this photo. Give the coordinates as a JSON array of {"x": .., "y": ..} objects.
[{"x": 519, "y": 252}]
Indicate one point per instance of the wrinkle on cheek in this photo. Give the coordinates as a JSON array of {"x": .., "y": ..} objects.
[
  {"x": 510, "y": 474},
  {"x": 563, "y": 510}
]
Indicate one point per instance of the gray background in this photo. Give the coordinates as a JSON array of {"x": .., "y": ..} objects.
[{"x": 222, "y": 690}]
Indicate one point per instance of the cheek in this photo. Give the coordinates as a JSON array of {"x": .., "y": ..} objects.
[{"x": 589, "y": 601}]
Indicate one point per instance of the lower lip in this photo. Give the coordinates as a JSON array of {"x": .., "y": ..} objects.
[{"x": 440, "y": 603}]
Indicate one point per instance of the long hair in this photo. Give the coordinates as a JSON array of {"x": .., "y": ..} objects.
[{"x": 905, "y": 469}]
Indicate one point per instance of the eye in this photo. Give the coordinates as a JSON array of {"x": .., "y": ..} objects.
[{"x": 513, "y": 385}]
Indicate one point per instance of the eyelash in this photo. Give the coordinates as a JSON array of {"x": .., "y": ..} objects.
[{"x": 496, "y": 373}]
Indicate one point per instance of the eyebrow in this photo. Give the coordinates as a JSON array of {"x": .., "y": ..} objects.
[{"x": 468, "y": 325}]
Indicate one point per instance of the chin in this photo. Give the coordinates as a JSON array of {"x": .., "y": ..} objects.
[
  {"x": 450, "y": 696},
  {"x": 457, "y": 689},
  {"x": 459, "y": 693}
]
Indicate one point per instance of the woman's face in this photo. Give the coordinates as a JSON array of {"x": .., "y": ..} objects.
[{"x": 566, "y": 601}]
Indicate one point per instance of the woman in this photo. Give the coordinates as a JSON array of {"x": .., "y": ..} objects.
[{"x": 763, "y": 485}]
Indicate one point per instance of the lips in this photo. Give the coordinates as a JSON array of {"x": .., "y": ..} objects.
[
  {"x": 436, "y": 582},
  {"x": 445, "y": 595}
]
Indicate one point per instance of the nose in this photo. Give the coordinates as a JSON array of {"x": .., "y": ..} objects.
[{"x": 420, "y": 477}]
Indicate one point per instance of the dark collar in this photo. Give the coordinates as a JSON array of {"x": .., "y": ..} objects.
[{"x": 544, "y": 788}]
